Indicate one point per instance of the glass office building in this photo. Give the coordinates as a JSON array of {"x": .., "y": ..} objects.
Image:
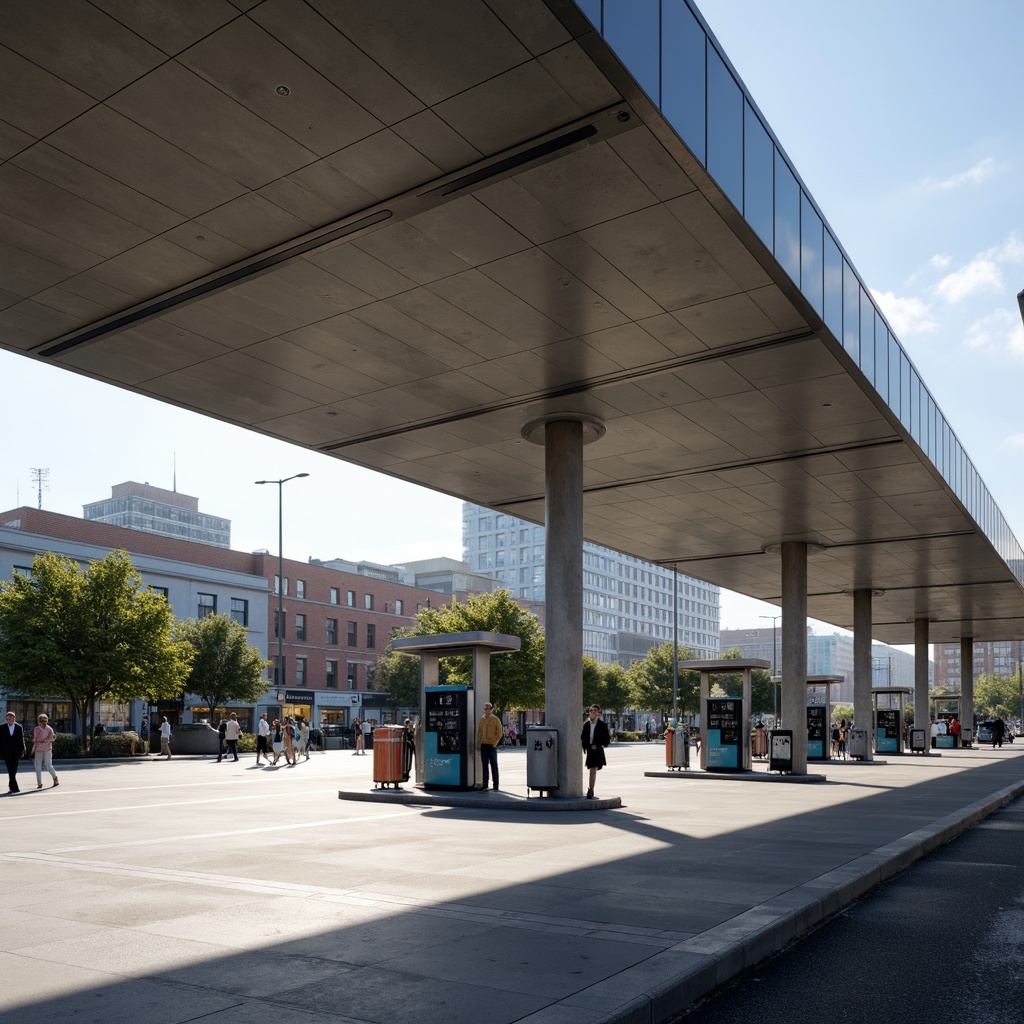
[{"x": 627, "y": 603}]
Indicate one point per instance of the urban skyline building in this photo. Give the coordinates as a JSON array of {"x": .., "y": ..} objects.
[
  {"x": 627, "y": 602},
  {"x": 996, "y": 657},
  {"x": 828, "y": 654},
  {"x": 156, "y": 510}
]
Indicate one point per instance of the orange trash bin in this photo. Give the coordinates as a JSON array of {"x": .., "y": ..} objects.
[{"x": 387, "y": 756}]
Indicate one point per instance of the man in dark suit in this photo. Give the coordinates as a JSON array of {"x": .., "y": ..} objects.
[{"x": 12, "y": 749}]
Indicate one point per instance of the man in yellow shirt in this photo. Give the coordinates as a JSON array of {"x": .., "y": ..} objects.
[{"x": 488, "y": 736}]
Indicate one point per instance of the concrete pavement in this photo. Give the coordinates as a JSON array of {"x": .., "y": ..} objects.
[{"x": 164, "y": 892}]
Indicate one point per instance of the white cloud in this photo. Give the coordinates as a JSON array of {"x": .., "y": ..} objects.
[
  {"x": 982, "y": 274},
  {"x": 906, "y": 314},
  {"x": 941, "y": 260},
  {"x": 975, "y": 175},
  {"x": 1013, "y": 441},
  {"x": 1000, "y": 331}
]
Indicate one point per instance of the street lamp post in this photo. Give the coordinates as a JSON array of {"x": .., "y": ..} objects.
[
  {"x": 279, "y": 675},
  {"x": 775, "y": 692}
]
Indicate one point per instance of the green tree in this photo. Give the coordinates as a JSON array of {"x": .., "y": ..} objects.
[
  {"x": 398, "y": 675},
  {"x": 517, "y": 680},
  {"x": 593, "y": 682},
  {"x": 996, "y": 696},
  {"x": 650, "y": 681},
  {"x": 225, "y": 666},
  {"x": 618, "y": 694},
  {"x": 88, "y": 634}
]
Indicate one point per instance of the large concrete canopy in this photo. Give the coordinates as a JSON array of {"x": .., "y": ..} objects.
[{"x": 398, "y": 232}]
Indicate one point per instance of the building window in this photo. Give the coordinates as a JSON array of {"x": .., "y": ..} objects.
[
  {"x": 335, "y": 595},
  {"x": 332, "y": 631},
  {"x": 351, "y": 641},
  {"x": 207, "y": 605},
  {"x": 300, "y": 627},
  {"x": 300, "y": 671},
  {"x": 350, "y": 675},
  {"x": 300, "y": 588},
  {"x": 399, "y": 607},
  {"x": 332, "y": 674},
  {"x": 350, "y": 598},
  {"x": 371, "y": 636},
  {"x": 162, "y": 591},
  {"x": 240, "y": 610},
  {"x": 368, "y": 602}
]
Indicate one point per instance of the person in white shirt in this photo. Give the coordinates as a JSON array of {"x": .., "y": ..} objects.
[
  {"x": 165, "y": 738},
  {"x": 231, "y": 734},
  {"x": 262, "y": 738}
]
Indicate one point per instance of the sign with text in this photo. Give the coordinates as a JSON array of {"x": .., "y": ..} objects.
[
  {"x": 446, "y": 747},
  {"x": 818, "y": 737},
  {"x": 725, "y": 733}
]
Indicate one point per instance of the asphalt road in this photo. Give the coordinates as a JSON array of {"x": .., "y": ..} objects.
[{"x": 942, "y": 942}]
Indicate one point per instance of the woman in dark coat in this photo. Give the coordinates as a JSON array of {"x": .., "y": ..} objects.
[{"x": 594, "y": 738}]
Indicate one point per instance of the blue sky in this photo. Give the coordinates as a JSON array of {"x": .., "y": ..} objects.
[{"x": 904, "y": 119}]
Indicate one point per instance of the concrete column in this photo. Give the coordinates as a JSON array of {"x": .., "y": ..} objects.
[
  {"x": 967, "y": 684},
  {"x": 794, "y": 649},
  {"x": 862, "y": 666},
  {"x": 922, "y": 710},
  {"x": 563, "y": 668}
]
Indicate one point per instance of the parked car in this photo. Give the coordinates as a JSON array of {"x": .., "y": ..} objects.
[{"x": 984, "y": 733}]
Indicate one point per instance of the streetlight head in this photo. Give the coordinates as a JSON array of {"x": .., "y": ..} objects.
[
  {"x": 264, "y": 481},
  {"x": 297, "y": 475}
]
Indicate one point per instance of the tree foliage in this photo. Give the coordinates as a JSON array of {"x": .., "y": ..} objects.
[
  {"x": 225, "y": 666},
  {"x": 88, "y": 634},
  {"x": 650, "y": 681},
  {"x": 517, "y": 680},
  {"x": 997, "y": 696},
  {"x": 398, "y": 675}
]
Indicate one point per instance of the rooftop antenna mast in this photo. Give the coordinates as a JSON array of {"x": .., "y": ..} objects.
[{"x": 41, "y": 478}]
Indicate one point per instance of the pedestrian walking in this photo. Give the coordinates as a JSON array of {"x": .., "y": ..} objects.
[
  {"x": 165, "y": 738},
  {"x": 277, "y": 740},
  {"x": 594, "y": 739},
  {"x": 232, "y": 734},
  {"x": 303, "y": 747},
  {"x": 262, "y": 737},
  {"x": 12, "y": 749},
  {"x": 42, "y": 750},
  {"x": 289, "y": 740},
  {"x": 222, "y": 735},
  {"x": 357, "y": 735}
]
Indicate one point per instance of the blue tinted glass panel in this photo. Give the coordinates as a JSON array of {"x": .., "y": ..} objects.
[
  {"x": 867, "y": 336},
  {"x": 881, "y": 356},
  {"x": 725, "y": 129},
  {"x": 787, "y": 218},
  {"x": 915, "y": 406},
  {"x": 811, "y": 261},
  {"x": 851, "y": 311},
  {"x": 632, "y": 28},
  {"x": 833, "y": 314},
  {"x": 758, "y": 187},
  {"x": 592, "y": 9},
  {"x": 928, "y": 419},
  {"x": 894, "y": 375},
  {"x": 905, "y": 391},
  {"x": 684, "y": 46}
]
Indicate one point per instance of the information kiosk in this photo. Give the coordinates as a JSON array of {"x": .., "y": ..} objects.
[
  {"x": 448, "y": 757},
  {"x": 724, "y": 721},
  {"x": 819, "y": 716},
  {"x": 946, "y": 709},
  {"x": 890, "y": 704}
]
